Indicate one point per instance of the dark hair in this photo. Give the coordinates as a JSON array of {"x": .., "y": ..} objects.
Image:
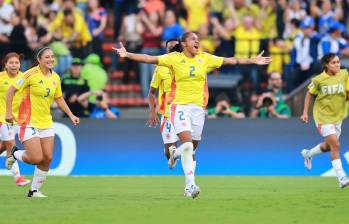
[
  {"x": 222, "y": 97},
  {"x": 326, "y": 59},
  {"x": 296, "y": 22},
  {"x": 185, "y": 36},
  {"x": 38, "y": 54},
  {"x": 175, "y": 48},
  {"x": 10, "y": 55},
  {"x": 170, "y": 40},
  {"x": 67, "y": 12}
]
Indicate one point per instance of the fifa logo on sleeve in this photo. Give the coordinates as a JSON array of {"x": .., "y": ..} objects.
[{"x": 332, "y": 89}]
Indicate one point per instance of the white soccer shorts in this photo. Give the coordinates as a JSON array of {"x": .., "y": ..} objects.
[
  {"x": 27, "y": 132},
  {"x": 329, "y": 129},
  {"x": 8, "y": 132},
  {"x": 167, "y": 130},
  {"x": 188, "y": 117}
]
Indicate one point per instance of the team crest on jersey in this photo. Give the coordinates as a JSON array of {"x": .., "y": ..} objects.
[
  {"x": 183, "y": 61},
  {"x": 20, "y": 82},
  {"x": 41, "y": 82},
  {"x": 200, "y": 60},
  {"x": 54, "y": 83}
]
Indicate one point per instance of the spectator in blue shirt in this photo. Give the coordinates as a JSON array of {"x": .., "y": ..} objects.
[
  {"x": 102, "y": 110},
  {"x": 172, "y": 29},
  {"x": 334, "y": 42}
]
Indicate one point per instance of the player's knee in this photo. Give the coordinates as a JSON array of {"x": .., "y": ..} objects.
[
  {"x": 37, "y": 159},
  {"x": 335, "y": 146},
  {"x": 188, "y": 146}
]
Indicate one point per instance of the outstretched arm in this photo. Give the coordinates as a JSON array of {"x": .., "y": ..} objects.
[
  {"x": 308, "y": 98},
  {"x": 259, "y": 60},
  {"x": 122, "y": 52},
  {"x": 64, "y": 107}
]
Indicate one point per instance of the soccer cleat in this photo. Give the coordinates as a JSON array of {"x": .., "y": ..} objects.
[
  {"x": 36, "y": 194},
  {"x": 21, "y": 181},
  {"x": 192, "y": 192},
  {"x": 343, "y": 182},
  {"x": 172, "y": 161},
  {"x": 307, "y": 159},
  {"x": 11, "y": 159}
]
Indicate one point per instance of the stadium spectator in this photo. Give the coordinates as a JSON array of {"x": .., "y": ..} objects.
[
  {"x": 271, "y": 103},
  {"x": 326, "y": 15},
  {"x": 153, "y": 6},
  {"x": 207, "y": 42},
  {"x": 70, "y": 27},
  {"x": 172, "y": 29},
  {"x": 223, "y": 108},
  {"x": 133, "y": 40},
  {"x": 75, "y": 89},
  {"x": 197, "y": 13},
  {"x": 6, "y": 27},
  {"x": 304, "y": 54},
  {"x": 279, "y": 50},
  {"x": 151, "y": 30},
  {"x": 293, "y": 11},
  {"x": 333, "y": 42},
  {"x": 101, "y": 109},
  {"x": 97, "y": 21},
  {"x": 95, "y": 75},
  {"x": 265, "y": 21}
]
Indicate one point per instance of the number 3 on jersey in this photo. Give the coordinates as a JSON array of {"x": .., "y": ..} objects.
[
  {"x": 47, "y": 92},
  {"x": 191, "y": 71}
]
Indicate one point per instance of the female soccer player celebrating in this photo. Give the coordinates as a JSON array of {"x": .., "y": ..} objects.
[
  {"x": 189, "y": 94},
  {"x": 331, "y": 90},
  {"x": 41, "y": 86},
  {"x": 8, "y": 131}
]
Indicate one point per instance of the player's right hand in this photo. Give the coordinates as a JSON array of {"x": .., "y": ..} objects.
[
  {"x": 10, "y": 119},
  {"x": 153, "y": 120},
  {"x": 304, "y": 118},
  {"x": 121, "y": 51}
]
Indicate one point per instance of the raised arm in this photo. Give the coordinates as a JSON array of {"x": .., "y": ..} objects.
[
  {"x": 122, "y": 52},
  {"x": 307, "y": 100},
  {"x": 259, "y": 60}
]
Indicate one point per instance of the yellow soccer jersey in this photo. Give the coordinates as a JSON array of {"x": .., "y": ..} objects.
[
  {"x": 331, "y": 91},
  {"x": 5, "y": 83},
  {"x": 39, "y": 93},
  {"x": 189, "y": 82},
  {"x": 162, "y": 81}
]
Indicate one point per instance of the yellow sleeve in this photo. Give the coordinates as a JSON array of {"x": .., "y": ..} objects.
[
  {"x": 58, "y": 92},
  {"x": 57, "y": 22},
  {"x": 21, "y": 82},
  {"x": 312, "y": 87},
  {"x": 166, "y": 59},
  {"x": 214, "y": 61},
  {"x": 347, "y": 85},
  {"x": 155, "y": 82}
]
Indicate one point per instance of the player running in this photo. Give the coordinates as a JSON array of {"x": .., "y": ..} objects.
[
  {"x": 41, "y": 86},
  {"x": 189, "y": 94},
  {"x": 331, "y": 90},
  {"x": 161, "y": 81},
  {"x": 8, "y": 131}
]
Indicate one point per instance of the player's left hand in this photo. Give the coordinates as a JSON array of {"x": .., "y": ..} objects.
[
  {"x": 121, "y": 51},
  {"x": 75, "y": 120},
  {"x": 260, "y": 60}
]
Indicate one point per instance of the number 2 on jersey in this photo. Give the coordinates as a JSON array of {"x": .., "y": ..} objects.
[{"x": 191, "y": 71}]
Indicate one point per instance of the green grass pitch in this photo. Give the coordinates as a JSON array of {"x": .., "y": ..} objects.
[{"x": 159, "y": 199}]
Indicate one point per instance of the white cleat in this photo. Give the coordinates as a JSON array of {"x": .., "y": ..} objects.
[
  {"x": 172, "y": 161},
  {"x": 344, "y": 182},
  {"x": 192, "y": 192},
  {"x": 11, "y": 159},
  {"x": 36, "y": 194},
  {"x": 307, "y": 159}
]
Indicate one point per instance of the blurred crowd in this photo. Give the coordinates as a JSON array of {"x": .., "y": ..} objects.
[{"x": 296, "y": 33}]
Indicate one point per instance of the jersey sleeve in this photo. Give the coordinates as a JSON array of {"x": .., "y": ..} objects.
[
  {"x": 347, "y": 85},
  {"x": 214, "y": 61},
  {"x": 21, "y": 82},
  {"x": 58, "y": 92},
  {"x": 312, "y": 87},
  {"x": 155, "y": 82},
  {"x": 166, "y": 59}
]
